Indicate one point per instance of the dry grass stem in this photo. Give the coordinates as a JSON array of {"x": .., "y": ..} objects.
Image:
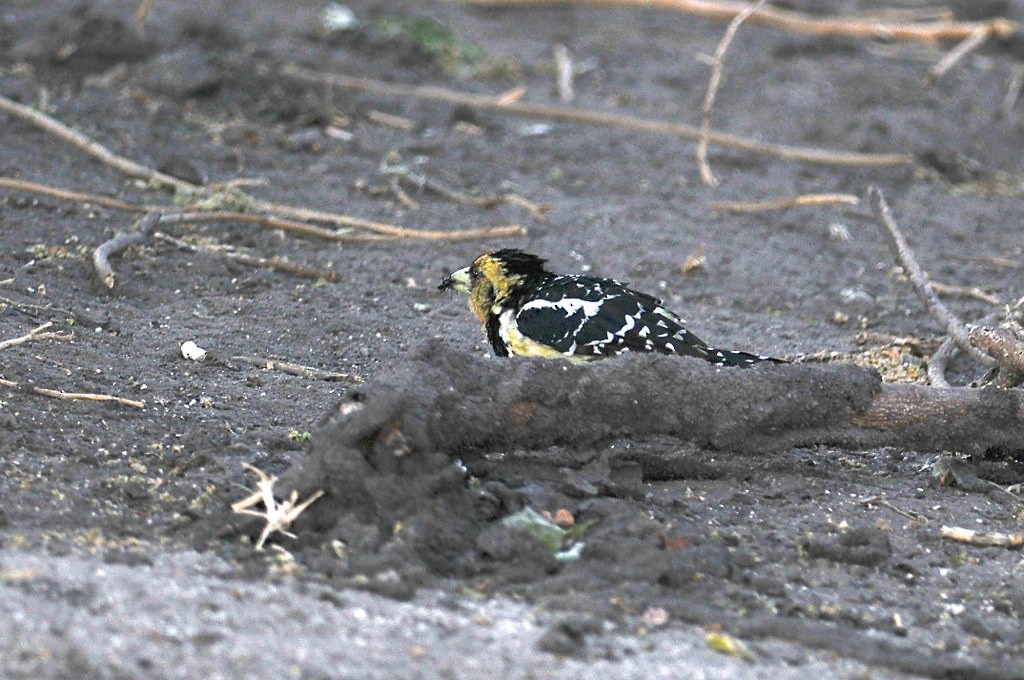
[
  {"x": 78, "y": 396},
  {"x": 389, "y": 120},
  {"x": 297, "y": 369},
  {"x": 275, "y": 263},
  {"x": 23, "y": 186},
  {"x": 278, "y": 516},
  {"x": 715, "y": 81},
  {"x": 489, "y": 201},
  {"x": 784, "y": 203},
  {"x": 141, "y": 14},
  {"x": 971, "y": 42},
  {"x": 599, "y": 118},
  {"x": 563, "y": 73},
  {"x": 798, "y": 22},
  {"x": 35, "y": 335},
  {"x": 133, "y": 169},
  {"x": 983, "y": 538},
  {"x": 1013, "y": 89},
  {"x": 967, "y": 291},
  {"x": 94, "y": 149},
  {"x": 899, "y": 247},
  {"x": 938, "y": 363}
]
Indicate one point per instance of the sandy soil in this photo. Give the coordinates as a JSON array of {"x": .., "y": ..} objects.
[{"x": 118, "y": 554}]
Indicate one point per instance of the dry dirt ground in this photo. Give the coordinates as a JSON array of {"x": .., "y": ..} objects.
[{"x": 119, "y": 557}]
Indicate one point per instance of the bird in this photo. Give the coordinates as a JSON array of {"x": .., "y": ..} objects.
[{"x": 527, "y": 311}]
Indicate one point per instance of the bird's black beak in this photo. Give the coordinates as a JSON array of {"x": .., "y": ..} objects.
[{"x": 460, "y": 281}]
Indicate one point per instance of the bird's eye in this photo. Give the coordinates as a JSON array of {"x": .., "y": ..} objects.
[{"x": 474, "y": 274}]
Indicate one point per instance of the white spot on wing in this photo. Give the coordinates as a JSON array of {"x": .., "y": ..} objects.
[{"x": 568, "y": 305}]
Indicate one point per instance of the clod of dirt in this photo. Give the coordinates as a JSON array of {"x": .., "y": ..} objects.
[{"x": 866, "y": 546}]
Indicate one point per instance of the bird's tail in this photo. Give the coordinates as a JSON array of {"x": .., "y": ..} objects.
[{"x": 731, "y": 357}]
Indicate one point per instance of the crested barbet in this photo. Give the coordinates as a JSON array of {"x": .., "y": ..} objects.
[{"x": 525, "y": 310}]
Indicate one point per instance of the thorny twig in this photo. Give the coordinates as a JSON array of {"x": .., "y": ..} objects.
[
  {"x": 278, "y": 516},
  {"x": 510, "y": 106},
  {"x": 717, "y": 61},
  {"x": 919, "y": 279}
]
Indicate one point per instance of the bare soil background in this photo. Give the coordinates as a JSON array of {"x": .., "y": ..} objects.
[{"x": 118, "y": 556}]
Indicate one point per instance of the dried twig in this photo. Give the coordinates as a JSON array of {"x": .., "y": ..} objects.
[
  {"x": 589, "y": 117},
  {"x": 65, "y": 195},
  {"x": 1006, "y": 347},
  {"x": 397, "y": 122},
  {"x": 909, "y": 514},
  {"x": 297, "y": 369},
  {"x": 966, "y": 291},
  {"x": 275, "y": 263},
  {"x": 1013, "y": 89},
  {"x": 94, "y": 149},
  {"x": 80, "y": 396},
  {"x": 278, "y": 516},
  {"x": 709, "y": 98},
  {"x": 968, "y": 44},
  {"x": 857, "y": 27},
  {"x": 938, "y": 363},
  {"x": 386, "y": 232},
  {"x": 939, "y": 311},
  {"x": 101, "y": 256},
  {"x": 141, "y": 14},
  {"x": 784, "y": 203},
  {"x": 36, "y": 334},
  {"x": 983, "y": 538},
  {"x": 563, "y": 73},
  {"x": 133, "y": 169},
  {"x": 405, "y": 199},
  {"x": 429, "y": 183}
]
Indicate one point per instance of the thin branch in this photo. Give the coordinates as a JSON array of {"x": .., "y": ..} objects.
[
  {"x": 563, "y": 73},
  {"x": 94, "y": 149},
  {"x": 430, "y": 184},
  {"x": 966, "y": 291},
  {"x": 983, "y": 538},
  {"x": 1013, "y": 89},
  {"x": 713, "y": 84},
  {"x": 77, "y": 396},
  {"x": 36, "y": 334},
  {"x": 295, "y": 227},
  {"x": 23, "y": 186},
  {"x": 938, "y": 364},
  {"x": 899, "y": 247},
  {"x": 275, "y": 263},
  {"x": 971, "y": 42},
  {"x": 857, "y": 27},
  {"x": 1003, "y": 345},
  {"x": 141, "y": 14},
  {"x": 133, "y": 169},
  {"x": 297, "y": 369},
  {"x": 785, "y": 203},
  {"x": 600, "y": 118}
]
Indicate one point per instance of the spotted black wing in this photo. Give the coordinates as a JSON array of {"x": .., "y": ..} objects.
[{"x": 592, "y": 317}]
